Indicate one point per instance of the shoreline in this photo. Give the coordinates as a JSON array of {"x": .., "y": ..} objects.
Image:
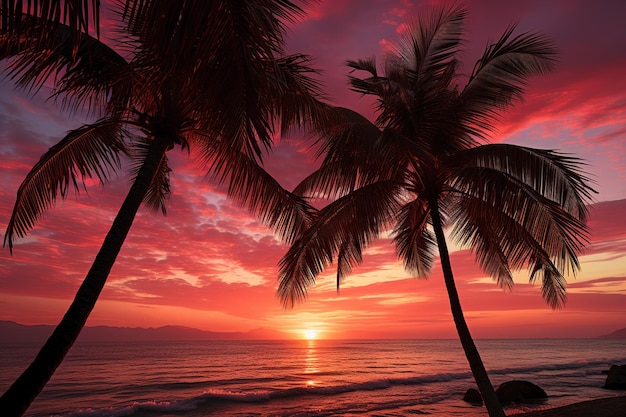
[{"x": 606, "y": 407}]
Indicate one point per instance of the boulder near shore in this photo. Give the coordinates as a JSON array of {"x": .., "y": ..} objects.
[
  {"x": 473, "y": 396},
  {"x": 519, "y": 391},
  {"x": 616, "y": 378},
  {"x": 509, "y": 392}
]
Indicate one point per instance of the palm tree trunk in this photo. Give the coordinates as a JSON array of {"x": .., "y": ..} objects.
[
  {"x": 16, "y": 400},
  {"x": 494, "y": 408}
]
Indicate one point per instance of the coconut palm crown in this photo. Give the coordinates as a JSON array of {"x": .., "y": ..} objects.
[
  {"x": 209, "y": 78},
  {"x": 425, "y": 165}
]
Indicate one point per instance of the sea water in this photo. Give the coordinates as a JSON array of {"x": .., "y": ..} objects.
[{"x": 307, "y": 378}]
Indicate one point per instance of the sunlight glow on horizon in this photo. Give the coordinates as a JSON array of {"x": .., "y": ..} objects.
[{"x": 310, "y": 334}]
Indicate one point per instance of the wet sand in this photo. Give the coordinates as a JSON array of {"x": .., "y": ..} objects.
[{"x": 604, "y": 407}]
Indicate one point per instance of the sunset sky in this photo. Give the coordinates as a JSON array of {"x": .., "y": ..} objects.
[{"x": 208, "y": 264}]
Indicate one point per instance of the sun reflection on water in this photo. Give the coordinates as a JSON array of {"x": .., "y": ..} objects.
[{"x": 311, "y": 362}]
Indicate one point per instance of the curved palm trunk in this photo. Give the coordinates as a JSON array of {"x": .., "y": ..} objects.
[
  {"x": 25, "y": 389},
  {"x": 494, "y": 408}
]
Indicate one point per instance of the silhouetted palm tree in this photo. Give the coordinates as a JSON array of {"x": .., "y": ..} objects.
[
  {"x": 209, "y": 77},
  {"x": 422, "y": 168}
]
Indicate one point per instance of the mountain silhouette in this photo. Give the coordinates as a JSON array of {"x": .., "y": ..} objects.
[{"x": 13, "y": 332}]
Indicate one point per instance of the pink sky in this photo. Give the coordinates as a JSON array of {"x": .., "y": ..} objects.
[{"x": 212, "y": 266}]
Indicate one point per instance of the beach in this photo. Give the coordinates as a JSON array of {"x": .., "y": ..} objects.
[{"x": 604, "y": 407}]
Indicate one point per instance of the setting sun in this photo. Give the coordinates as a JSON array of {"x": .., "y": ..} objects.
[{"x": 310, "y": 334}]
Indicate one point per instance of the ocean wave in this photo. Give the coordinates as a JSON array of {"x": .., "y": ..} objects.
[
  {"x": 577, "y": 365},
  {"x": 213, "y": 396},
  {"x": 132, "y": 409}
]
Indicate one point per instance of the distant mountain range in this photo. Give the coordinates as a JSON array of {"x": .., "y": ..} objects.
[
  {"x": 11, "y": 331},
  {"x": 617, "y": 334},
  {"x": 14, "y": 332}
]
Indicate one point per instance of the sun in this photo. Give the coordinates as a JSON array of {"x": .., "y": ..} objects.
[{"x": 310, "y": 334}]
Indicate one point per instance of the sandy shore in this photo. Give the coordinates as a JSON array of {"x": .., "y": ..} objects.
[{"x": 604, "y": 407}]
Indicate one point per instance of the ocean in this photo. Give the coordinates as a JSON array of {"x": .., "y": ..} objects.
[{"x": 307, "y": 378}]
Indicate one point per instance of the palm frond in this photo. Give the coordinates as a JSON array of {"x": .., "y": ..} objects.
[
  {"x": 159, "y": 192},
  {"x": 90, "y": 151},
  {"x": 427, "y": 46},
  {"x": 500, "y": 76},
  {"x": 286, "y": 213},
  {"x": 527, "y": 223},
  {"x": 415, "y": 243},
  {"x": 86, "y": 72},
  {"x": 556, "y": 176},
  {"x": 77, "y": 14},
  {"x": 298, "y": 97},
  {"x": 502, "y": 243},
  {"x": 328, "y": 181},
  {"x": 373, "y": 84},
  {"x": 497, "y": 240},
  {"x": 348, "y": 141},
  {"x": 348, "y": 224},
  {"x": 345, "y": 131},
  {"x": 348, "y": 256},
  {"x": 367, "y": 65},
  {"x": 99, "y": 78},
  {"x": 553, "y": 284},
  {"x": 518, "y": 206}
]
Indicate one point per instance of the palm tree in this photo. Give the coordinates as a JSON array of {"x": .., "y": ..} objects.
[
  {"x": 425, "y": 166},
  {"x": 207, "y": 77}
]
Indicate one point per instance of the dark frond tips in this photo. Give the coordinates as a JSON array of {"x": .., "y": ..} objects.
[
  {"x": 553, "y": 284},
  {"x": 296, "y": 275}
]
